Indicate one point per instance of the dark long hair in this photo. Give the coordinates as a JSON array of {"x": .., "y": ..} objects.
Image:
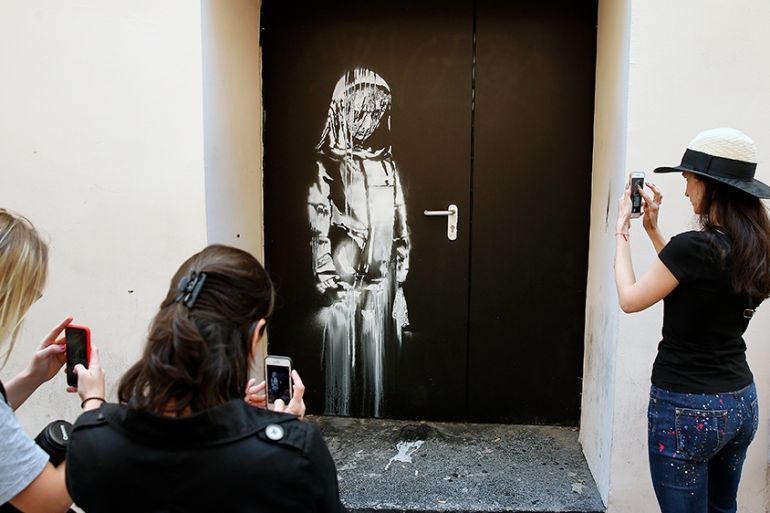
[
  {"x": 745, "y": 220},
  {"x": 199, "y": 357}
]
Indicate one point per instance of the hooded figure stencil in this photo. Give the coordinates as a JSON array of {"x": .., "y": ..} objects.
[{"x": 360, "y": 245}]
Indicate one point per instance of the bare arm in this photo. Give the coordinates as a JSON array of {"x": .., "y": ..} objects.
[
  {"x": 656, "y": 284},
  {"x": 657, "y": 238},
  {"x": 633, "y": 295},
  {"x": 19, "y": 388},
  {"x": 46, "y": 362},
  {"x": 46, "y": 494}
]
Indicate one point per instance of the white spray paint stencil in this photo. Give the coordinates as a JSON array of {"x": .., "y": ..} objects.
[
  {"x": 405, "y": 451},
  {"x": 360, "y": 245}
]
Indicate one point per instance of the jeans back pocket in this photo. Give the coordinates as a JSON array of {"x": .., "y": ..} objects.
[{"x": 699, "y": 433}]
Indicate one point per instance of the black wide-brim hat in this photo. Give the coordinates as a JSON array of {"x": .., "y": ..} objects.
[{"x": 726, "y": 155}]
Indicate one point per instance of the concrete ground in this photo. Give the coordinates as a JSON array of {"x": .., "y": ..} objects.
[{"x": 402, "y": 466}]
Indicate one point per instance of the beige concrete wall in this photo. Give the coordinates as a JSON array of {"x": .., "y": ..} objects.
[
  {"x": 232, "y": 109},
  {"x": 692, "y": 65},
  {"x": 101, "y": 145},
  {"x": 602, "y": 312}
]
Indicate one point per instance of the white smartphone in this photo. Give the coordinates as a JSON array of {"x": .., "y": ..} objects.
[
  {"x": 278, "y": 379},
  {"x": 637, "y": 182}
]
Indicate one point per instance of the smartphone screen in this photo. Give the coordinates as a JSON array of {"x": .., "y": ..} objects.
[
  {"x": 636, "y": 198},
  {"x": 278, "y": 379},
  {"x": 77, "y": 351}
]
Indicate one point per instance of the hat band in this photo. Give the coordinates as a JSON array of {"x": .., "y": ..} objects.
[{"x": 718, "y": 166}]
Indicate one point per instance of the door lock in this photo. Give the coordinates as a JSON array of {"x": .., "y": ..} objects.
[{"x": 451, "y": 221}]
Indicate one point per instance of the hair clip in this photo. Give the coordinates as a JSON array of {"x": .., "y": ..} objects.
[{"x": 189, "y": 288}]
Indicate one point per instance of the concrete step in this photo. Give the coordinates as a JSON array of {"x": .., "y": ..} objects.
[{"x": 394, "y": 466}]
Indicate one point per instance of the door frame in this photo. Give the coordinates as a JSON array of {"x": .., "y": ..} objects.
[{"x": 230, "y": 40}]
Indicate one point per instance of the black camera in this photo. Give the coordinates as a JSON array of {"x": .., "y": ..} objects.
[{"x": 53, "y": 439}]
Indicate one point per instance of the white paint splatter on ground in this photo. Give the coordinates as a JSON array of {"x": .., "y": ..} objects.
[{"x": 405, "y": 451}]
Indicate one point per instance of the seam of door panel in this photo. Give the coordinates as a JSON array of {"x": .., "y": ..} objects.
[{"x": 470, "y": 219}]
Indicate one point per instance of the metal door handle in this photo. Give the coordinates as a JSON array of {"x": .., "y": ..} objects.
[{"x": 451, "y": 222}]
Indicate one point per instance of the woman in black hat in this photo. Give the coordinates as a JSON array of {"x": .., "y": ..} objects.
[{"x": 703, "y": 410}]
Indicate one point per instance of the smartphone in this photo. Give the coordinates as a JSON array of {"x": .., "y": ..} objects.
[
  {"x": 78, "y": 350},
  {"x": 278, "y": 379},
  {"x": 637, "y": 182}
]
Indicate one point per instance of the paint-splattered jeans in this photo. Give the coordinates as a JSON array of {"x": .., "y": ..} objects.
[{"x": 697, "y": 444}]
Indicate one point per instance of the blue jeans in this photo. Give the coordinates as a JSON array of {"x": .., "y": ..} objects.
[{"x": 697, "y": 444}]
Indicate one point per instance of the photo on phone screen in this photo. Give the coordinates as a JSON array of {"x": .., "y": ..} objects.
[
  {"x": 78, "y": 341},
  {"x": 637, "y": 182},
  {"x": 278, "y": 379}
]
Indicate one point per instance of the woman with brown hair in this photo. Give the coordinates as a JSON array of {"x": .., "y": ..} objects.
[
  {"x": 27, "y": 480},
  {"x": 182, "y": 437},
  {"x": 703, "y": 410}
]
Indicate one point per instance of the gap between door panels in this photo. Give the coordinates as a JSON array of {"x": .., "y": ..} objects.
[{"x": 470, "y": 215}]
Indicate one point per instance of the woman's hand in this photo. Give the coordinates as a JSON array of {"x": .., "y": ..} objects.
[
  {"x": 46, "y": 362},
  {"x": 255, "y": 394},
  {"x": 650, "y": 217},
  {"x": 296, "y": 406},
  {"x": 624, "y": 212},
  {"x": 49, "y": 356},
  {"x": 90, "y": 380},
  {"x": 651, "y": 208}
]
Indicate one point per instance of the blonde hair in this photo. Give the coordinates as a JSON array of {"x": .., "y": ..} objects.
[{"x": 23, "y": 271}]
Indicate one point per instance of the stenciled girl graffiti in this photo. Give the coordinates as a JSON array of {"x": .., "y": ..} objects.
[{"x": 360, "y": 244}]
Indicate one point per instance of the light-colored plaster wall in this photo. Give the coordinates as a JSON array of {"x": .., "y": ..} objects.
[
  {"x": 232, "y": 109},
  {"x": 101, "y": 145},
  {"x": 602, "y": 311},
  {"x": 694, "y": 64}
]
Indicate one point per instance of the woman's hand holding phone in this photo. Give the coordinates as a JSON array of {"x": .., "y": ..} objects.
[
  {"x": 49, "y": 356},
  {"x": 256, "y": 396},
  {"x": 90, "y": 381},
  {"x": 623, "y": 223},
  {"x": 630, "y": 203},
  {"x": 46, "y": 362}
]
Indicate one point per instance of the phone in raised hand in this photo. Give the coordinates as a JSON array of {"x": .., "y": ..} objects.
[
  {"x": 78, "y": 350},
  {"x": 278, "y": 379},
  {"x": 637, "y": 183}
]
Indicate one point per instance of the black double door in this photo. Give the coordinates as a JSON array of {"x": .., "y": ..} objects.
[{"x": 377, "y": 112}]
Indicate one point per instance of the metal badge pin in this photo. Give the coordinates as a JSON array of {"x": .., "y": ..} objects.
[{"x": 274, "y": 432}]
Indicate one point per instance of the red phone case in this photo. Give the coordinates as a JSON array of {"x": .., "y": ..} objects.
[
  {"x": 87, "y": 330},
  {"x": 71, "y": 376}
]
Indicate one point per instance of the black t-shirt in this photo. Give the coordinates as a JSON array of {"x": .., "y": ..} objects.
[{"x": 702, "y": 350}]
